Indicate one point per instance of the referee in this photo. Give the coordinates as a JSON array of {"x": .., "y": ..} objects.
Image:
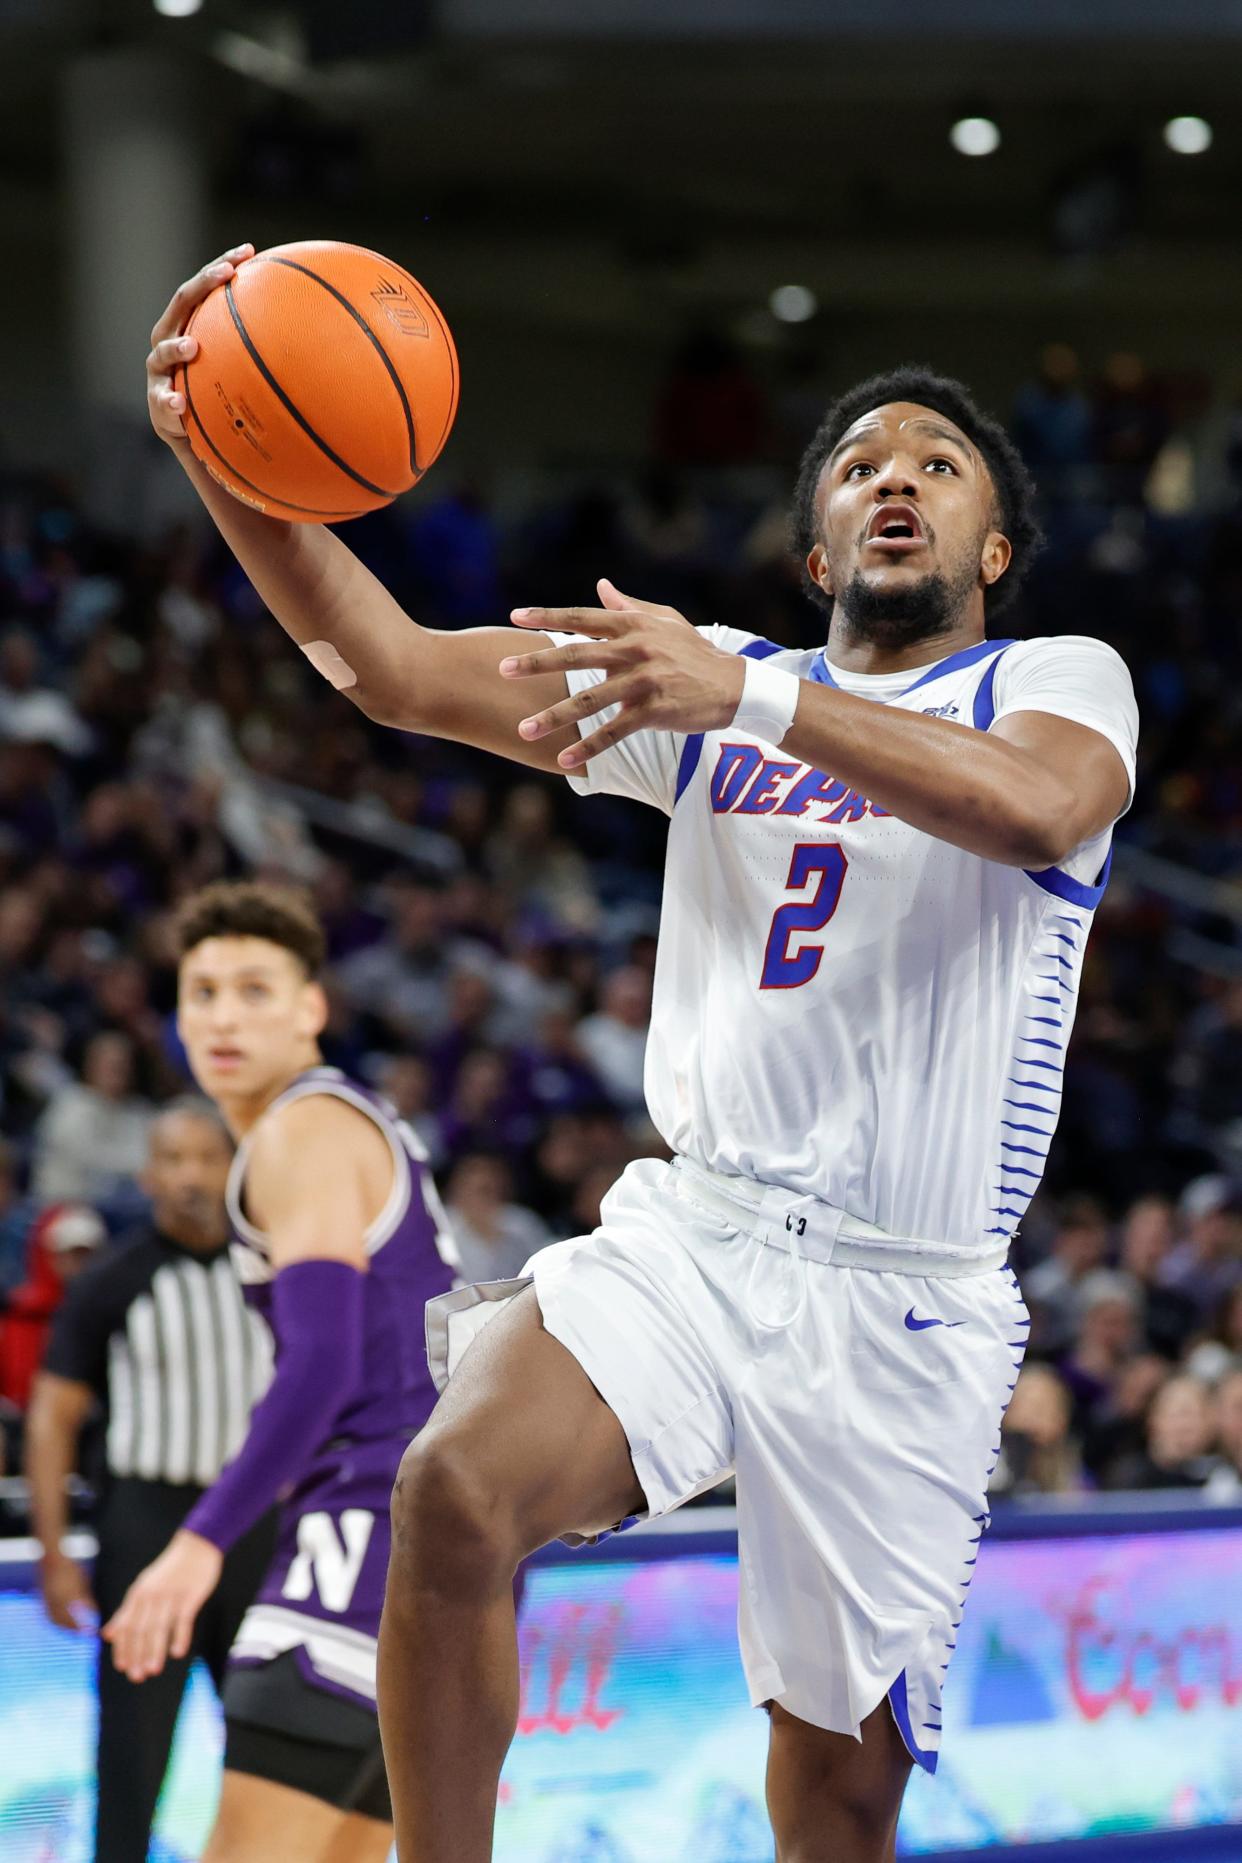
[{"x": 155, "y": 1331}]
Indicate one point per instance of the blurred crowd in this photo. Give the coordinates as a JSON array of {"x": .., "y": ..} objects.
[{"x": 492, "y": 936}]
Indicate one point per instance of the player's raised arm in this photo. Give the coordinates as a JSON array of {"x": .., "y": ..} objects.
[
  {"x": 343, "y": 619},
  {"x": 318, "y": 1176}
]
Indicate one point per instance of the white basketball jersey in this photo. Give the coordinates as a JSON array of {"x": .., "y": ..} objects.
[{"x": 844, "y": 1005}]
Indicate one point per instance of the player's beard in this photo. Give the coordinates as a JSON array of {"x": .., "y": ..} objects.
[{"x": 923, "y": 610}]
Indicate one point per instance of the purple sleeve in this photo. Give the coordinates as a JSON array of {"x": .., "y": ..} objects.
[{"x": 317, "y": 1309}]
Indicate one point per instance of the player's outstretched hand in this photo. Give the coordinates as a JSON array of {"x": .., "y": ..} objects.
[
  {"x": 156, "y": 1618},
  {"x": 169, "y": 347},
  {"x": 657, "y": 668}
]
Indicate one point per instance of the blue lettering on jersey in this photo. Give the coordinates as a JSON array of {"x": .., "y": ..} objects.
[
  {"x": 760, "y": 798},
  {"x": 852, "y": 809},
  {"x": 813, "y": 787},
  {"x": 735, "y": 766},
  {"x": 745, "y": 782}
]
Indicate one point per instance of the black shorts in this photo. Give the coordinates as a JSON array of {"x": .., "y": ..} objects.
[{"x": 279, "y": 1726}]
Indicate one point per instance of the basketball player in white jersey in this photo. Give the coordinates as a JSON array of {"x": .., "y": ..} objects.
[{"x": 883, "y": 861}]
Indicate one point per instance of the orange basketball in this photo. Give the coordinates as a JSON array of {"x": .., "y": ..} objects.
[{"x": 325, "y": 382}]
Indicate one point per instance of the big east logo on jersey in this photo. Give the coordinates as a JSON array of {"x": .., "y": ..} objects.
[{"x": 745, "y": 782}]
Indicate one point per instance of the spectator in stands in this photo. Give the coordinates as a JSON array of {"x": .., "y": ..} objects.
[
  {"x": 36, "y": 796},
  {"x": 122, "y": 1001},
  {"x": 556, "y": 1073},
  {"x": 1179, "y": 1440},
  {"x": 534, "y": 865},
  {"x": 93, "y": 1135},
  {"x": 1039, "y": 1455},
  {"x": 349, "y": 923},
  {"x": 1079, "y": 1245},
  {"x": 1108, "y": 1306},
  {"x": 470, "y": 1023},
  {"x": 30, "y": 711},
  {"x": 62, "y": 1241},
  {"x": 407, "y": 1080},
  {"x": 403, "y": 980},
  {"x": 1207, "y": 1264},
  {"x": 669, "y": 525},
  {"x": 1117, "y": 1432},
  {"x": 1169, "y": 1317},
  {"x": 457, "y": 556},
  {"x": 16, "y": 1215},
  {"x": 1225, "y": 1482},
  {"x": 710, "y": 410},
  {"x": 495, "y": 1236},
  {"x": 486, "y": 1111},
  {"x": 537, "y": 976},
  {"x": 1218, "y": 1349},
  {"x": 614, "y": 1040},
  {"x": 1130, "y": 425},
  {"x": 561, "y": 1158},
  {"x": 1052, "y": 420}
]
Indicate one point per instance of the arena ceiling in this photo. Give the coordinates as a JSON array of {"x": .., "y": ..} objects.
[{"x": 710, "y": 168}]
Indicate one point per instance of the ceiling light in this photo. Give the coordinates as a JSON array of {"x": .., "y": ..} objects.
[
  {"x": 177, "y": 9},
  {"x": 975, "y": 135},
  {"x": 1188, "y": 135},
  {"x": 793, "y": 303}
]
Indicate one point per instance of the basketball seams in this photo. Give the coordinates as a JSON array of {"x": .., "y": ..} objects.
[
  {"x": 450, "y": 348},
  {"x": 283, "y": 504},
  {"x": 429, "y": 303},
  {"x": 291, "y": 407},
  {"x": 372, "y": 338}
]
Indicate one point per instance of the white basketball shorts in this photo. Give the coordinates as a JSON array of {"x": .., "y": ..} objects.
[{"x": 858, "y": 1406}]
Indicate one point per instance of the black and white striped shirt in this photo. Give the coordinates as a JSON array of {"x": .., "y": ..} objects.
[{"x": 165, "y": 1339}]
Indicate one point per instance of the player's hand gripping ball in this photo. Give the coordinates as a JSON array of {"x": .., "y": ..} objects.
[{"x": 315, "y": 381}]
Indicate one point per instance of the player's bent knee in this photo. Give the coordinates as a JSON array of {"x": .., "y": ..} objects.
[{"x": 451, "y": 1529}]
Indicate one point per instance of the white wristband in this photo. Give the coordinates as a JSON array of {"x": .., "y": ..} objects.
[{"x": 768, "y": 702}]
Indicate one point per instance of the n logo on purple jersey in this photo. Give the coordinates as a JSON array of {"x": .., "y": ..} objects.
[{"x": 327, "y": 1562}]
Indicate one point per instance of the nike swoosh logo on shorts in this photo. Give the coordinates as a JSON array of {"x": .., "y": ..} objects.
[{"x": 920, "y": 1326}]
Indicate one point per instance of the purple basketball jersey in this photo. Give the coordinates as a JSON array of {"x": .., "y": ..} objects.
[{"x": 325, "y": 1587}]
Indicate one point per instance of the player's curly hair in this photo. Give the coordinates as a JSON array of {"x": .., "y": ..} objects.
[
  {"x": 253, "y": 909},
  {"x": 1015, "y": 489}
]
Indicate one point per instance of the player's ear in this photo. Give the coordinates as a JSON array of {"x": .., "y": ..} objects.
[
  {"x": 818, "y": 570},
  {"x": 314, "y": 1010},
  {"x": 996, "y": 558}
]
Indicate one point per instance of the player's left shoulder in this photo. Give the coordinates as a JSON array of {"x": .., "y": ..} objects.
[
  {"x": 1072, "y": 650},
  {"x": 318, "y": 1159},
  {"x": 301, "y": 1133},
  {"x": 1066, "y": 670}
]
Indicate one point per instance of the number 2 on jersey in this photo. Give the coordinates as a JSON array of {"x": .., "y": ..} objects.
[{"x": 825, "y": 864}]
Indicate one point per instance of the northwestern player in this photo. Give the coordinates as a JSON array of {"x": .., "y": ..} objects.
[
  {"x": 339, "y": 1239},
  {"x": 883, "y": 861}
]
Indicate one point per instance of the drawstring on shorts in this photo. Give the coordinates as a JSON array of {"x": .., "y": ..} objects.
[{"x": 793, "y": 1225}]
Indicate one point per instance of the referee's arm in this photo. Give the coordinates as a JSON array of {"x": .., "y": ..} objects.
[{"x": 58, "y": 1409}]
